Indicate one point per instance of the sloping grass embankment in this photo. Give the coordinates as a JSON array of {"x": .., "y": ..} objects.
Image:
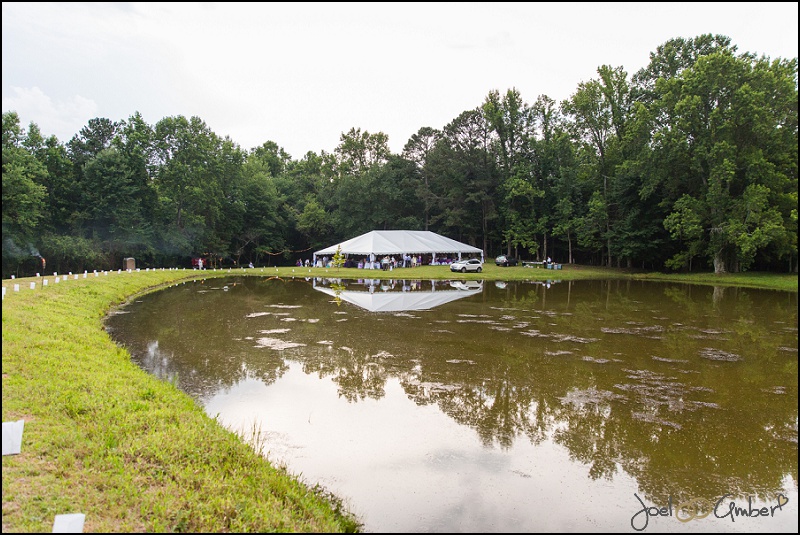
[{"x": 104, "y": 438}]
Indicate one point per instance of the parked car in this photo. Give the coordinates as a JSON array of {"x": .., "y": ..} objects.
[
  {"x": 473, "y": 264},
  {"x": 505, "y": 261}
]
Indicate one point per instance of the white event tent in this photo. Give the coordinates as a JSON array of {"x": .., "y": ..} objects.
[{"x": 399, "y": 242}]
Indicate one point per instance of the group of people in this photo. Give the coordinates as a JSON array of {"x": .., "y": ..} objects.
[
  {"x": 386, "y": 263},
  {"x": 390, "y": 262}
]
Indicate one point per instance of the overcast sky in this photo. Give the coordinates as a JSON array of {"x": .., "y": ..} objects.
[{"x": 301, "y": 74}]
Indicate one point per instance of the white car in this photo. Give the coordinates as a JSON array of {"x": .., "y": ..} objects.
[{"x": 473, "y": 264}]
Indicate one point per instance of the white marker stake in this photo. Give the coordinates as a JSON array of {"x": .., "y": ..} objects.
[
  {"x": 12, "y": 437},
  {"x": 33, "y": 286},
  {"x": 71, "y": 523}
]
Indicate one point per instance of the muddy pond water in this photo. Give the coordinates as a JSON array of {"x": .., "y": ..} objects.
[{"x": 439, "y": 406}]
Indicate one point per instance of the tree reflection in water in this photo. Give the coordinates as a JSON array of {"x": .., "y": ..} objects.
[{"x": 690, "y": 390}]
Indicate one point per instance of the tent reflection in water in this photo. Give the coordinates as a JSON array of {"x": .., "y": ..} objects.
[
  {"x": 376, "y": 296},
  {"x": 399, "y": 243}
]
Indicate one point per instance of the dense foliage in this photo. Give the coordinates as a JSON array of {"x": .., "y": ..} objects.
[{"x": 689, "y": 164}]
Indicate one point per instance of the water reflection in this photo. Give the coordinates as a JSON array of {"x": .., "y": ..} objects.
[
  {"x": 669, "y": 391},
  {"x": 396, "y": 295}
]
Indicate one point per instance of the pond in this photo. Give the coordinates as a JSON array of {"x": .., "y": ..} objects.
[{"x": 447, "y": 406}]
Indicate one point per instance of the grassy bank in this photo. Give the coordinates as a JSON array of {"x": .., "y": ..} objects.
[
  {"x": 133, "y": 453},
  {"x": 104, "y": 438},
  {"x": 770, "y": 281}
]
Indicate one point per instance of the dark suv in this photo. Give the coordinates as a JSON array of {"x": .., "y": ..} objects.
[{"x": 505, "y": 261}]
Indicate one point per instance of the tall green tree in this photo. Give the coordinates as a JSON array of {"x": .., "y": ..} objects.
[
  {"x": 359, "y": 151},
  {"x": 23, "y": 195},
  {"x": 512, "y": 122},
  {"x": 63, "y": 189},
  {"x": 554, "y": 170},
  {"x": 735, "y": 133},
  {"x": 671, "y": 58},
  {"x": 265, "y": 220},
  {"x": 189, "y": 194},
  {"x": 310, "y": 192},
  {"x": 96, "y": 136},
  {"x": 417, "y": 149},
  {"x": 395, "y": 195},
  {"x": 113, "y": 213},
  {"x": 464, "y": 180},
  {"x": 599, "y": 110},
  {"x": 361, "y": 199}
]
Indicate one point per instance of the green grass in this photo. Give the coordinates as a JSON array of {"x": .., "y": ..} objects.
[
  {"x": 133, "y": 453},
  {"x": 772, "y": 281}
]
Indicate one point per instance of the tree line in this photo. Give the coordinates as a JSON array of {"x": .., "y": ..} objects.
[{"x": 689, "y": 164}]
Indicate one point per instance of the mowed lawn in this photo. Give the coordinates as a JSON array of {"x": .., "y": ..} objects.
[{"x": 132, "y": 453}]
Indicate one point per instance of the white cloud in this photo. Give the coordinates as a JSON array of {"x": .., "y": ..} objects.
[
  {"x": 64, "y": 118},
  {"x": 300, "y": 74}
]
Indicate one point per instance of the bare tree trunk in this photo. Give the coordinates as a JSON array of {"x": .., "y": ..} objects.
[
  {"x": 545, "y": 245},
  {"x": 484, "y": 228},
  {"x": 719, "y": 263},
  {"x": 569, "y": 244}
]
